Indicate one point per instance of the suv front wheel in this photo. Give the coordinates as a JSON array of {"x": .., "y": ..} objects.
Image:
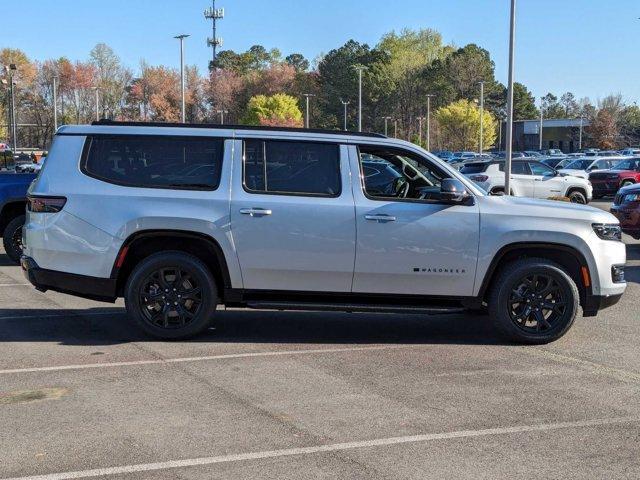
[
  {"x": 533, "y": 301},
  {"x": 171, "y": 295}
]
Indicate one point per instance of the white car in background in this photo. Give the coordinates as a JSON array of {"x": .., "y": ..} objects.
[
  {"x": 529, "y": 178},
  {"x": 582, "y": 167}
]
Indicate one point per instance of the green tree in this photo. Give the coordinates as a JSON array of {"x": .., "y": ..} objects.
[
  {"x": 524, "y": 103},
  {"x": 275, "y": 110},
  {"x": 459, "y": 125},
  {"x": 551, "y": 108},
  {"x": 297, "y": 61}
]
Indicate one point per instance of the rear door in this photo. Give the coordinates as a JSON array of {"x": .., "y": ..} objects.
[
  {"x": 292, "y": 215},
  {"x": 522, "y": 182}
]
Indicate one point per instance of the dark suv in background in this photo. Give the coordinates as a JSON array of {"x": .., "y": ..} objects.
[
  {"x": 626, "y": 207},
  {"x": 622, "y": 175}
]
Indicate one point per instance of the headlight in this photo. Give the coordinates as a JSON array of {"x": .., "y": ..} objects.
[{"x": 608, "y": 231}]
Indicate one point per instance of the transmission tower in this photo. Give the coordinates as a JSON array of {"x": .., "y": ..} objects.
[{"x": 214, "y": 14}]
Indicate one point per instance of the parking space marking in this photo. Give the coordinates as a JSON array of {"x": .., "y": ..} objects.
[
  {"x": 335, "y": 447},
  {"x": 202, "y": 359},
  {"x": 594, "y": 367},
  {"x": 15, "y": 284}
]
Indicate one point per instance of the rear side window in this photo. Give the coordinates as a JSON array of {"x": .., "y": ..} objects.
[
  {"x": 474, "y": 168},
  {"x": 184, "y": 163},
  {"x": 292, "y": 168},
  {"x": 517, "y": 168}
]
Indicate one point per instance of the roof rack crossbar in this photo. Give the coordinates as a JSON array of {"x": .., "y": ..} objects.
[{"x": 114, "y": 123}]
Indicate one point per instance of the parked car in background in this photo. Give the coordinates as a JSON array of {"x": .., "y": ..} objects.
[
  {"x": 552, "y": 152},
  {"x": 608, "y": 182},
  {"x": 529, "y": 178},
  {"x": 533, "y": 154},
  {"x": 585, "y": 166},
  {"x": 445, "y": 155},
  {"x": 285, "y": 219},
  {"x": 13, "y": 201},
  {"x": 626, "y": 207},
  {"x": 630, "y": 152}
]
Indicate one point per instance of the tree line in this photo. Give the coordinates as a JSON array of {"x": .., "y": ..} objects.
[{"x": 262, "y": 86}]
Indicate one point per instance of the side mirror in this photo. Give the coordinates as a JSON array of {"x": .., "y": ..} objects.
[{"x": 454, "y": 192}]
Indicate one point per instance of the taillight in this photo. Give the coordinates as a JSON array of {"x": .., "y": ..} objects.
[
  {"x": 479, "y": 178},
  {"x": 45, "y": 204}
]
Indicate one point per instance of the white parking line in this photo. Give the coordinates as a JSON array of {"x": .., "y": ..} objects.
[
  {"x": 14, "y": 284},
  {"x": 58, "y": 315},
  {"x": 335, "y": 447},
  {"x": 201, "y": 359}
]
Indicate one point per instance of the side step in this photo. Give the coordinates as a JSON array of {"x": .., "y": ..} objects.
[{"x": 354, "y": 307}]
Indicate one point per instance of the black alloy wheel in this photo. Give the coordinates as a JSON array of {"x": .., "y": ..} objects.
[
  {"x": 537, "y": 303},
  {"x": 171, "y": 295},
  {"x": 12, "y": 238}
]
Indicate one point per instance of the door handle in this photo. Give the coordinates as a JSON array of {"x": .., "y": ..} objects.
[
  {"x": 255, "y": 212},
  {"x": 380, "y": 218}
]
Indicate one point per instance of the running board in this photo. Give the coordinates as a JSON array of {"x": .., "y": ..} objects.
[{"x": 357, "y": 307}]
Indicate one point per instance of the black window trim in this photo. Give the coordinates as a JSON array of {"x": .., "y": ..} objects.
[
  {"x": 290, "y": 194},
  {"x": 89, "y": 140},
  {"x": 400, "y": 200}
]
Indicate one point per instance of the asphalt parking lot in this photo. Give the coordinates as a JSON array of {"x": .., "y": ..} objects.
[{"x": 313, "y": 395}]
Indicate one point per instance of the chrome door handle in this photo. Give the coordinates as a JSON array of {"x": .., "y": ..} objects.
[
  {"x": 255, "y": 212},
  {"x": 380, "y": 218}
]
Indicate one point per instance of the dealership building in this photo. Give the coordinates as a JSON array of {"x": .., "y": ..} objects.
[{"x": 560, "y": 133}]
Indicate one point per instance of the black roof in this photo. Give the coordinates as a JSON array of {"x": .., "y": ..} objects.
[{"x": 113, "y": 123}]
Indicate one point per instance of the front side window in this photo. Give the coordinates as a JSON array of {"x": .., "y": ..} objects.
[
  {"x": 540, "y": 169},
  {"x": 292, "y": 168},
  {"x": 189, "y": 163},
  {"x": 400, "y": 175}
]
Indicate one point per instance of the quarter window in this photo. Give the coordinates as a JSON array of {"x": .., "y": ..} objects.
[
  {"x": 302, "y": 168},
  {"x": 188, "y": 163}
]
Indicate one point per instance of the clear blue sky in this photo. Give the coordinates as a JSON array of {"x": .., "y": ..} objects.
[{"x": 589, "y": 47}]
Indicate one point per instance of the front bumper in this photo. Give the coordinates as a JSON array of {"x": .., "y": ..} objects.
[
  {"x": 605, "y": 187},
  {"x": 593, "y": 304},
  {"x": 94, "y": 288}
]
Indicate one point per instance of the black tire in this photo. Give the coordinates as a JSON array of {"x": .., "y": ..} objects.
[
  {"x": 578, "y": 197},
  {"x": 12, "y": 238},
  {"x": 188, "y": 303},
  {"x": 516, "y": 294}
]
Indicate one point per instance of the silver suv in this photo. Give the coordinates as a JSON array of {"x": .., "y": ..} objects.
[{"x": 180, "y": 219}]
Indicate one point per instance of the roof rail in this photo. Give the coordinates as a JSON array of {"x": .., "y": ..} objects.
[{"x": 114, "y": 123}]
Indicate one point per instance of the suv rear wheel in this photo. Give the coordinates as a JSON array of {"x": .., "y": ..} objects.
[
  {"x": 533, "y": 301},
  {"x": 577, "y": 196},
  {"x": 12, "y": 238},
  {"x": 171, "y": 295}
]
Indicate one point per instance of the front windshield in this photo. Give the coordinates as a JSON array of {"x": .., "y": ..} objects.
[{"x": 579, "y": 165}]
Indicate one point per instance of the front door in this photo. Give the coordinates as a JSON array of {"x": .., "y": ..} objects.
[
  {"x": 408, "y": 241},
  {"x": 292, "y": 215},
  {"x": 547, "y": 183}
]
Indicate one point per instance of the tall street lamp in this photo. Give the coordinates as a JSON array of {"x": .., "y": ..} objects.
[
  {"x": 580, "y": 135},
  {"x": 540, "y": 127},
  {"x": 509, "y": 146},
  {"x": 386, "y": 125},
  {"x": 307, "y": 96},
  {"x": 222, "y": 113},
  {"x": 429, "y": 97},
  {"x": 12, "y": 107},
  {"x": 481, "y": 116},
  {"x": 420, "y": 120},
  {"x": 183, "y": 109},
  {"x": 360, "y": 69},
  {"x": 345, "y": 104}
]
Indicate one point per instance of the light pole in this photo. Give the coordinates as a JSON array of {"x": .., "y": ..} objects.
[
  {"x": 360, "y": 69},
  {"x": 540, "y": 127},
  {"x": 97, "y": 89},
  {"x": 420, "y": 120},
  {"x": 55, "y": 103},
  {"x": 481, "y": 115},
  {"x": 307, "y": 96},
  {"x": 345, "y": 104},
  {"x": 386, "y": 129},
  {"x": 580, "y": 135},
  {"x": 395, "y": 129},
  {"x": 12, "y": 105},
  {"x": 429, "y": 96},
  {"x": 509, "y": 149},
  {"x": 222, "y": 114},
  {"x": 181, "y": 38}
]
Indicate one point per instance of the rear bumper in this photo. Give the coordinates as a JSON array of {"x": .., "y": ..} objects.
[{"x": 94, "y": 288}]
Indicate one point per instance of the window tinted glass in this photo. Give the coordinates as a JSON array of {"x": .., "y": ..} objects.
[
  {"x": 155, "y": 161},
  {"x": 474, "y": 168},
  {"x": 292, "y": 167},
  {"x": 517, "y": 168},
  {"x": 540, "y": 169}
]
